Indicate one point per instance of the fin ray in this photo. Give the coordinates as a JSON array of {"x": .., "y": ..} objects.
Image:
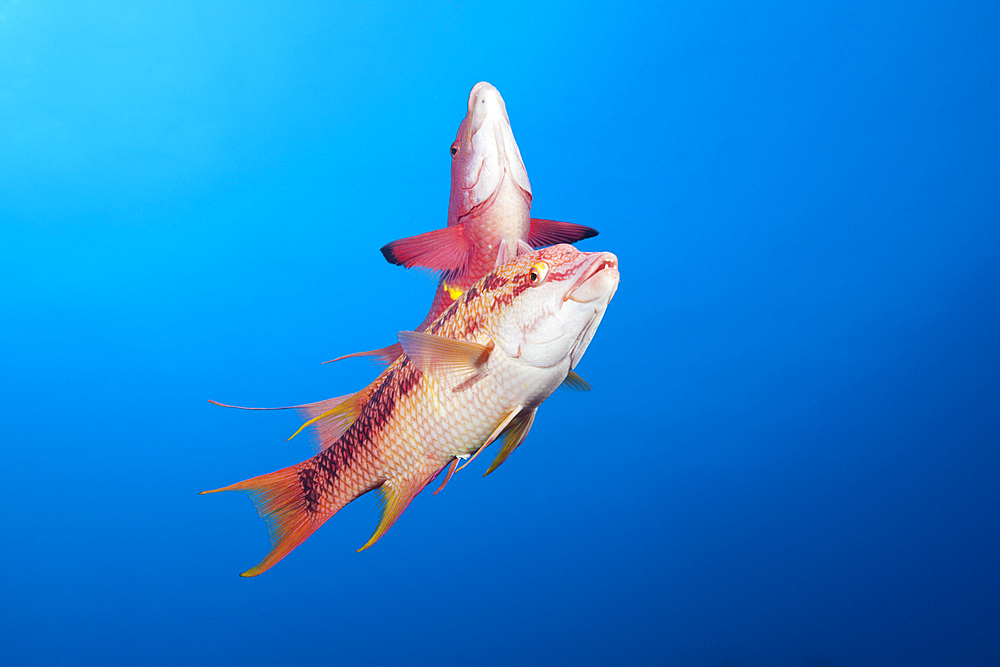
[
  {"x": 574, "y": 382},
  {"x": 459, "y": 360},
  {"x": 241, "y": 407},
  {"x": 550, "y": 232},
  {"x": 280, "y": 501},
  {"x": 513, "y": 436},
  {"x": 445, "y": 249},
  {"x": 396, "y": 497},
  {"x": 451, "y": 471},
  {"x": 332, "y": 417},
  {"x": 383, "y": 355}
]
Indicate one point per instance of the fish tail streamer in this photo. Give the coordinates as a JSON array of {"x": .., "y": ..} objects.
[{"x": 285, "y": 500}]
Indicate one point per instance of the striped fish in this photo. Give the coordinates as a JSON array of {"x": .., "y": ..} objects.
[
  {"x": 476, "y": 376},
  {"x": 489, "y": 219}
]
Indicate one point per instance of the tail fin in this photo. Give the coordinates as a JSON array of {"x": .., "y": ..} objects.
[{"x": 280, "y": 500}]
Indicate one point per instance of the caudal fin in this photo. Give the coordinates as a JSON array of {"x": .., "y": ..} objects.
[{"x": 280, "y": 500}]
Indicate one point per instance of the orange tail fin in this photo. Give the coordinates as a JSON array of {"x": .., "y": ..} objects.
[{"x": 280, "y": 499}]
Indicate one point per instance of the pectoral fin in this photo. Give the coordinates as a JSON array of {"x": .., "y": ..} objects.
[
  {"x": 549, "y": 232},
  {"x": 513, "y": 436},
  {"x": 445, "y": 249},
  {"x": 457, "y": 361}
]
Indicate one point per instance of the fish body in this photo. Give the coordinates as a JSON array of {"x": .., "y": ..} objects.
[
  {"x": 489, "y": 210},
  {"x": 476, "y": 376}
]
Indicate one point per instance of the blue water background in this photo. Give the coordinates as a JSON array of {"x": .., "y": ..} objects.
[{"x": 792, "y": 448}]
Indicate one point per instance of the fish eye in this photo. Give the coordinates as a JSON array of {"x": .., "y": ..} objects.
[
  {"x": 537, "y": 273},
  {"x": 454, "y": 148}
]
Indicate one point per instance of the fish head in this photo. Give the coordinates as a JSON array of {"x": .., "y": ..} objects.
[
  {"x": 556, "y": 299},
  {"x": 484, "y": 157}
]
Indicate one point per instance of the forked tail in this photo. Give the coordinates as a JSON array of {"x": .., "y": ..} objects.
[{"x": 288, "y": 500}]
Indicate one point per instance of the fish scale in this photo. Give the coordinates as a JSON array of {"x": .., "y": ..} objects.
[{"x": 445, "y": 398}]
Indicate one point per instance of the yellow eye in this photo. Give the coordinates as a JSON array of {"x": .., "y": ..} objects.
[
  {"x": 454, "y": 149},
  {"x": 538, "y": 272}
]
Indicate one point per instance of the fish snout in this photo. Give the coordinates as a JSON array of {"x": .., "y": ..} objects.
[
  {"x": 598, "y": 277},
  {"x": 485, "y": 103}
]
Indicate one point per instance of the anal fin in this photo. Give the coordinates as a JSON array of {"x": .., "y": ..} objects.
[{"x": 396, "y": 497}]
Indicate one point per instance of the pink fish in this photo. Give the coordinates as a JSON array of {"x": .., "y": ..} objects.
[
  {"x": 489, "y": 218},
  {"x": 476, "y": 376}
]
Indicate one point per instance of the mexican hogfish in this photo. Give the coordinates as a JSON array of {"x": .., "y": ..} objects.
[
  {"x": 476, "y": 376},
  {"x": 489, "y": 217}
]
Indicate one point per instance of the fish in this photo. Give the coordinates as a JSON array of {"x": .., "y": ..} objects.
[
  {"x": 489, "y": 208},
  {"x": 475, "y": 377}
]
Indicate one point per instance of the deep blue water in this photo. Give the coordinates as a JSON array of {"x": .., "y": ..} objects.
[{"x": 792, "y": 448}]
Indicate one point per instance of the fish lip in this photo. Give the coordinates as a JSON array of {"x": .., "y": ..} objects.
[
  {"x": 496, "y": 110},
  {"x": 495, "y": 118},
  {"x": 602, "y": 262}
]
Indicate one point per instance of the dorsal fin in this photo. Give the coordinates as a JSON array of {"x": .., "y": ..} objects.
[
  {"x": 332, "y": 417},
  {"x": 383, "y": 355}
]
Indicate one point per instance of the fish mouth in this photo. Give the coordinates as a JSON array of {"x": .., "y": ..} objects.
[
  {"x": 487, "y": 113},
  {"x": 485, "y": 102},
  {"x": 598, "y": 277}
]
